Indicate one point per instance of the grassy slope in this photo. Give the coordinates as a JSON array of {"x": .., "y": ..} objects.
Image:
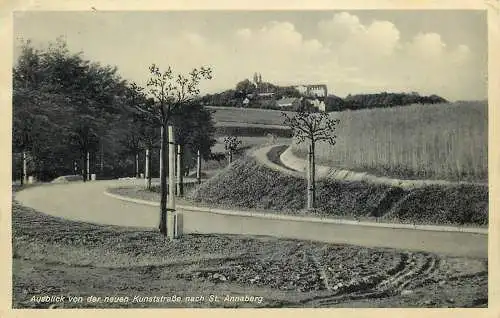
[{"x": 247, "y": 184}]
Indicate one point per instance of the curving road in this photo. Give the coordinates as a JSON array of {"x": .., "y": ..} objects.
[{"x": 87, "y": 202}]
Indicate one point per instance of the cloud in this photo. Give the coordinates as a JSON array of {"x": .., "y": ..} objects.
[
  {"x": 278, "y": 37},
  {"x": 278, "y": 48},
  {"x": 346, "y": 33},
  {"x": 349, "y": 54},
  {"x": 340, "y": 27},
  {"x": 427, "y": 46},
  {"x": 346, "y": 54},
  {"x": 194, "y": 39},
  {"x": 425, "y": 63}
]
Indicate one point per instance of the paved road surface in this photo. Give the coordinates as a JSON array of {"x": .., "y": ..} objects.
[{"x": 87, "y": 202}]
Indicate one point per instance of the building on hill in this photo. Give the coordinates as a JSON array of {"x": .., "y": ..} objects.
[
  {"x": 265, "y": 95},
  {"x": 319, "y": 104},
  {"x": 288, "y": 102},
  {"x": 257, "y": 79},
  {"x": 245, "y": 102},
  {"x": 316, "y": 90}
]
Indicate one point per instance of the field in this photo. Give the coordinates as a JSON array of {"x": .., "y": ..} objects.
[
  {"x": 247, "y": 115},
  {"x": 445, "y": 141},
  {"x": 55, "y": 257}
]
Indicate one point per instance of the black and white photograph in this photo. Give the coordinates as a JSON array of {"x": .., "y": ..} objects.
[{"x": 333, "y": 158}]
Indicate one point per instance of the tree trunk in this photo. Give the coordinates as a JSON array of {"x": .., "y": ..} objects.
[
  {"x": 171, "y": 183},
  {"x": 310, "y": 177},
  {"x": 198, "y": 167},
  {"x": 147, "y": 173},
  {"x": 313, "y": 174},
  {"x": 230, "y": 156},
  {"x": 180, "y": 174},
  {"x": 163, "y": 181},
  {"x": 102, "y": 159}
]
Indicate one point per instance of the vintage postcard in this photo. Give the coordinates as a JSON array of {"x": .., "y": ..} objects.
[{"x": 251, "y": 157}]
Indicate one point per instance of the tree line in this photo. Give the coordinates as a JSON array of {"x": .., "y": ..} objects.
[
  {"x": 246, "y": 89},
  {"x": 69, "y": 112},
  {"x": 379, "y": 100}
]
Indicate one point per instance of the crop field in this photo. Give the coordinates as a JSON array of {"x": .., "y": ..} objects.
[
  {"x": 247, "y": 115},
  {"x": 443, "y": 141}
]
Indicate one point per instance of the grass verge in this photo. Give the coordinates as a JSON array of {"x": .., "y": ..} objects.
[{"x": 247, "y": 185}]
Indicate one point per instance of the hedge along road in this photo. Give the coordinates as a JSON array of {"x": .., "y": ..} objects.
[{"x": 87, "y": 202}]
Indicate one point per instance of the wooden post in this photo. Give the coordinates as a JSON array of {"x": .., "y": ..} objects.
[
  {"x": 198, "y": 166},
  {"x": 24, "y": 179},
  {"x": 180, "y": 190},
  {"x": 171, "y": 183},
  {"x": 163, "y": 183},
  {"x": 88, "y": 165},
  {"x": 146, "y": 170},
  {"x": 161, "y": 157},
  {"x": 230, "y": 156},
  {"x": 137, "y": 165}
]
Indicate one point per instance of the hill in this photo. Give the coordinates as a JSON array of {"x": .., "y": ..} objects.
[{"x": 267, "y": 96}]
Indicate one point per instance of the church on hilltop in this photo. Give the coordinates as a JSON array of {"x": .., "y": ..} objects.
[{"x": 314, "y": 90}]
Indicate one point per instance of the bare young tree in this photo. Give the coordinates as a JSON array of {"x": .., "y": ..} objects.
[
  {"x": 231, "y": 145},
  {"x": 170, "y": 92},
  {"x": 312, "y": 127}
]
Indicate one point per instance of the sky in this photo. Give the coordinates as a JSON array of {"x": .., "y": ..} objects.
[{"x": 441, "y": 52}]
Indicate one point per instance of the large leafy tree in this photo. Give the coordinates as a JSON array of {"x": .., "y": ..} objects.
[
  {"x": 194, "y": 132},
  {"x": 38, "y": 119},
  {"x": 63, "y": 106}
]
